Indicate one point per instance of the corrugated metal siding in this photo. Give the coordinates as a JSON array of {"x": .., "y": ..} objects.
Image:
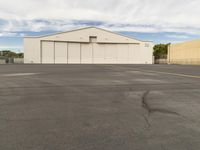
[
  {"x": 74, "y": 53},
  {"x": 184, "y": 53},
  {"x": 61, "y": 52},
  {"x": 48, "y": 52}
]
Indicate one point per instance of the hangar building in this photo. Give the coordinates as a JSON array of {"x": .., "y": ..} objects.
[
  {"x": 89, "y": 45},
  {"x": 184, "y": 53}
]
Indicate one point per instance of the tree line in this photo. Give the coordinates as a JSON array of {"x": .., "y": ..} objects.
[{"x": 10, "y": 54}]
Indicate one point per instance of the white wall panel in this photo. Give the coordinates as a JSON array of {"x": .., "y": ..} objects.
[
  {"x": 32, "y": 51},
  {"x": 131, "y": 52},
  {"x": 122, "y": 53},
  {"x": 47, "y": 52},
  {"x": 60, "y": 52},
  {"x": 86, "y": 53},
  {"x": 99, "y": 53},
  {"x": 146, "y": 53},
  {"x": 110, "y": 53},
  {"x": 142, "y": 55},
  {"x": 138, "y": 55},
  {"x": 74, "y": 54}
]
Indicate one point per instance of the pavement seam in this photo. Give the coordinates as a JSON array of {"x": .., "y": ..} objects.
[
  {"x": 162, "y": 72},
  {"x": 170, "y": 73}
]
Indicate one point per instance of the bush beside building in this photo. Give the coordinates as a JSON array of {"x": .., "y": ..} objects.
[{"x": 160, "y": 53}]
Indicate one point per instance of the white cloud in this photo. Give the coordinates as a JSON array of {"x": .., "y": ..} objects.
[
  {"x": 118, "y": 15},
  {"x": 7, "y": 34},
  {"x": 11, "y": 34},
  {"x": 178, "y": 36}
]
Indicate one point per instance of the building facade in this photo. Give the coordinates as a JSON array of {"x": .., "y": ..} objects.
[
  {"x": 87, "y": 46},
  {"x": 184, "y": 53}
]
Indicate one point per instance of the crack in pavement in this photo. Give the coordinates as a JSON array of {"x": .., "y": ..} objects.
[
  {"x": 151, "y": 110},
  {"x": 147, "y": 122}
]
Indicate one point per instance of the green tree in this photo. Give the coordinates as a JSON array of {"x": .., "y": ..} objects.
[
  {"x": 20, "y": 55},
  {"x": 160, "y": 51},
  {"x": 9, "y": 54}
]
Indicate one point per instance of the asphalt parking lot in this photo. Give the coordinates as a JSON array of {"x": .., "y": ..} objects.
[{"x": 99, "y": 107}]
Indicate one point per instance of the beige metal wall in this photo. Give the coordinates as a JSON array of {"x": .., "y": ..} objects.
[
  {"x": 98, "y": 53},
  {"x": 87, "y": 46},
  {"x": 32, "y": 50},
  {"x": 83, "y": 35},
  {"x": 86, "y": 53},
  {"x": 74, "y": 53},
  {"x": 184, "y": 53},
  {"x": 48, "y": 52},
  {"x": 61, "y": 53}
]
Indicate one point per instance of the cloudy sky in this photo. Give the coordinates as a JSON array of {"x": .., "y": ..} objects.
[{"x": 157, "y": 20}]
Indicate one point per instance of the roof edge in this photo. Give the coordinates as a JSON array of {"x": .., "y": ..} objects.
[
  {"x": 56, "y": 33},
  {"x": 185, "y": 42},
  {"x": 88, "y": 28}
]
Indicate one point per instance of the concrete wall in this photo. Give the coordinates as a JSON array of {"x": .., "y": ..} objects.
[
  {"x": 2, "y": 61},
  {"x": 184, "y": 53},
  {"x": 161, "y": 61},
  {"x": 18, "y": 60}
]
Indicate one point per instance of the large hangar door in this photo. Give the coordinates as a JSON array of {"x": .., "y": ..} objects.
[
  {"x": 74, "y": 53},
  {"x": 60, "y": 52},
  {"x": 47, "y": 52},
  {"x": 86, "y": 53},
  {"x": 122, "y": 53},
  {"x": 110, "y": 53},
  {"x": 138, "y": 55},
  {"x": 131, "y": 53},
  {"x": 99, "y": 53}
]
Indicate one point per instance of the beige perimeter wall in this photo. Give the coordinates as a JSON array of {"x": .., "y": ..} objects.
[{"x": 184, "y": 53}]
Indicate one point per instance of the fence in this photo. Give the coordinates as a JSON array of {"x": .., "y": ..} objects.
[
  {"x": 2, "y": 61},
  {"x": 161, "y": 61},
  {"x": 11, "y": 61},
  {"x": 18, "y": 60}
]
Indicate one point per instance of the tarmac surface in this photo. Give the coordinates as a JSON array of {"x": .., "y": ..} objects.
[{"x": 99, "y": 107}]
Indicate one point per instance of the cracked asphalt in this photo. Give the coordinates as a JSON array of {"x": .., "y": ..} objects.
[{"x": 99, "y": 107}]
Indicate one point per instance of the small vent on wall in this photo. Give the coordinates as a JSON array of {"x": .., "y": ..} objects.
[
  {"x": 146, "y": 45},
  {"x": 93, "y": 39}
]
